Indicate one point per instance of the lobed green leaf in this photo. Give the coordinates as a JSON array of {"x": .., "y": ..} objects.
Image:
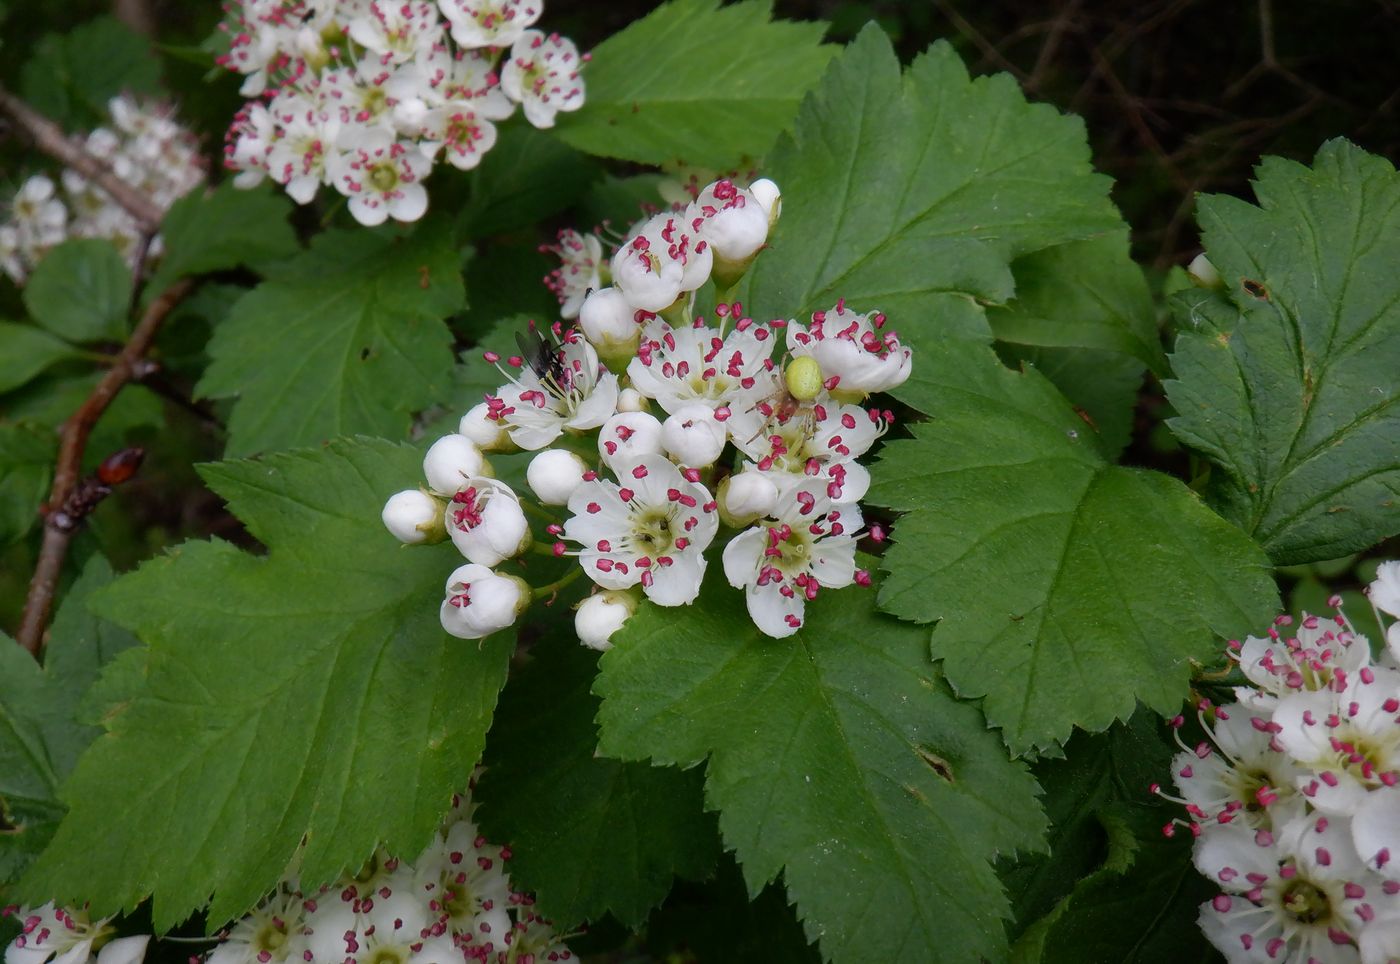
[{"x": 81, "y": 291}]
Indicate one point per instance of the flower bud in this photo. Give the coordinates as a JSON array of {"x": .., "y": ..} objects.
[
  {"x": 745, "y": 497},
  {"x": 601, "y": 615},
  {"x": 450, "y": 461},
  {"x": 734, "y": 222},
  {"x": 123, "y": 950},
  {"x": 661, "y": 260},
  {"x": 554, "y": 474},
  {"x": 479, "y": 602},
  {"x": 609, "y": 323},
  {"x": 631, "y": 400},
  {"x": 803, "y": 378},
  {"x": 489, "y": 434},
  {"x": 486, "y": 522},
  {"x": 629, "y": 435},
  {"x": 766, "y": 193},
  {"x": 1202, "y": 272},
  {"x": 414, "y": 517},
  {"x": 693, "y": 436}
]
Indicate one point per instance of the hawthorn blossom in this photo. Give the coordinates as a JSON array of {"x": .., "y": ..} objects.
[
  {"x": 627, "y": 436},
  {"x": 59, "y": 935},
  {"x": 413, "y": 517},
  {"x": 580, "y": 256},
  {"x": 396, "y": 30},
  {"x": 651, "y": 527},
  {"x": 609, "y": 322},
  {"x": 490, "y": 23},
  {"x": 554, "y": 474},
  {"x": 541, "y": 73},
  {"x": 272, "y": 933},
  {"x": 533, "y": 939},
  {"x": 601, "y": 615},
  {"x": 463, "y": 880},
  {"x": 736, "y": 220},
  {"x": 817, "y": 441},
  {"x": 806, "y": 545},
  {"x": 729, "y": 371},
  {"x": 381, "y": 176},
  {"x": 661, "y": 260},
  {"x": 450, "y": 462},
  {"x": 571, "y": 392},
  {"x": 856, "y": 355},
  {"x": 486, "y": 523}
]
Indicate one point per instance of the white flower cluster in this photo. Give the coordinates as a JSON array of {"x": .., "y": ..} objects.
[
  {"x": 452, "y": 905},
  {"x": 366, "y": 95},
  {"x": 766, "y": 449},
  {"x": 145, "y": 147},
  {"x": 1295, "y": 798}
]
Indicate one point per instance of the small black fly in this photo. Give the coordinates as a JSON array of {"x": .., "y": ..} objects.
[{"x": 544, "y": 359}]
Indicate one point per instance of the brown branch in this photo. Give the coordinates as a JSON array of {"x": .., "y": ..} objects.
[
  {"x": 50, "y": 139},
  {"x": 60, "y": 523}
]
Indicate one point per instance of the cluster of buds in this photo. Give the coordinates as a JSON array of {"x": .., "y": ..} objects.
[
  {"x": 1294, "y": 798},
  {"x": 145, "y": 147},
  {"x": 453, "y": 904},
  {"x": 365, "y": 97},
  {"x": 740, "y": 441}
]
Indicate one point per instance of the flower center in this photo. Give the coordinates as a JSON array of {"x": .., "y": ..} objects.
[
  {"x": 1305, "y": 903},
  {"x": 384, "y": 177},
  {"x": 651, "y": 531},
  {"x": 391, "y": 954},
  {"x": 271, "y": 935}
]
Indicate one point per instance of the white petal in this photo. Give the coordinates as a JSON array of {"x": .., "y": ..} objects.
[
  {"x": 742, "y": 557},
  {"x": 124, "y": 950},
  {"x": 1376, "y": 828},
  {"x": 411, "y": 204},
  {"x": 770, "y": 610}
]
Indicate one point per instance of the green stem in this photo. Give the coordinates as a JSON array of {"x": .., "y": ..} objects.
[{"x": 549, "y": 589}]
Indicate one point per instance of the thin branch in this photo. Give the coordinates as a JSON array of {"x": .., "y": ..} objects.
[
  {"x": 50, "y": 139},
  {"x": 63, "y": 514}
]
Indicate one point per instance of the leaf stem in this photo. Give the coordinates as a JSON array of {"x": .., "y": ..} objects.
[{"x": 552, "y": 588}]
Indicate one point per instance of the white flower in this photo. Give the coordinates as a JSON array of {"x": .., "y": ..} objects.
[
  {"x": 1244, "y": 778},
  {"x": 631, "y": 400},
  {"x": 577, "y": 275},
  {"x": 381, "y": 177},
  {"x": 1311, "y": 660},
  {"x": 481, "y": 427},
  {"x": 821, "y": 441},
  {"x": 571, "y": 394},
  {"x": 856, "y": 355},
  {"x": 554, "y": 474},
  {"x": 463, "y": 880},
  {"x": 733, "y": 219},
  {"x": 296, "y": 158},
  {"x": 56, "y": 934},
  {"x": 602, "y": 614},
  {"x": 450, "y": 461},
  {"x": 124, "y": 950},
  {"x": 661, "y": 260},
  {"x": 651, "y": 529},
  {"x": 1385, "y": 590},
  {"x": 480, "y": 603},
  {"x": 627, "y": 436},
  {"x": 728, "y": 371},
  {"x": 1295, "y": 895},
  {"x": 490, "y": 23},
  {"x": 397, "y": 30},
  {"x": 533, "y": 939},
  {"x": 542, "y": 75},
  {"x": 747, "y": 496},
  {"x": 808, "y": 545},
  {"x": 693, "y": 436},
  {"x": 413, "y": 517},
  {"x": 486, "y": 523},
  {"x": 273, "y": 933},
  {"x": 610, "y": 322}
]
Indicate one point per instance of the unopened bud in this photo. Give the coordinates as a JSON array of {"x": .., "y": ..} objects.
[
  {"x": 601, "y": 615},
  {"x": 414, "y": 517},
  {"x": 745, "y": 497},
  {"x": 486, "y": 522},
  {"x": 631, "y": 400},
  {"x": 1203, "y": 272},
  {"x": 450, "y": 461},
  {"x": 489, "y": 434},
  {"x": 609, "y": 323},
  {"x": 554, "y": 474},
  {"x": 629, "y": 435},
  {"x": 693, "y": 436}
]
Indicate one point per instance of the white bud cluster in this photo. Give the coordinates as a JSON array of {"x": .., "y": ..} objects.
[
  {"x": 144, "y": 147},
  {"x": 781, "y": 447},
  {"x": 365, "y": 97},
  {"x": 1294, "y": 797}
]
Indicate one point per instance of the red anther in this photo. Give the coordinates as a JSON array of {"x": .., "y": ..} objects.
[
  {"x": 559, "y": 549},
  {"x": 878, "y": 533},
  {"x": 120, "y": 466}
]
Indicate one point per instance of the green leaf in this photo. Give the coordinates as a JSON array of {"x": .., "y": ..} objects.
[
  {"x": 1066, "y": 588},
  {"x": 273, "y": 686},
  {"x": 40, "y": 734},
  {"x": 527, "y": 176},
  {"x": 1084, "y": 317},
  {"x": 81, "y": 291},
  {"x": 72, "y": 75},
  {"x": 698, "y": 82},
  {"x": 1286, "y": 380},
  {"x": 25, "y": 351},
  {"x": 913, "y": 193},
  {"x": 590, "y": 835},
  {"x": 27, "y": 454},
  {"x": 223, "y": 229},
  {"x": 346, "y": 338},
  {"x": 836, "y": 757}
]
